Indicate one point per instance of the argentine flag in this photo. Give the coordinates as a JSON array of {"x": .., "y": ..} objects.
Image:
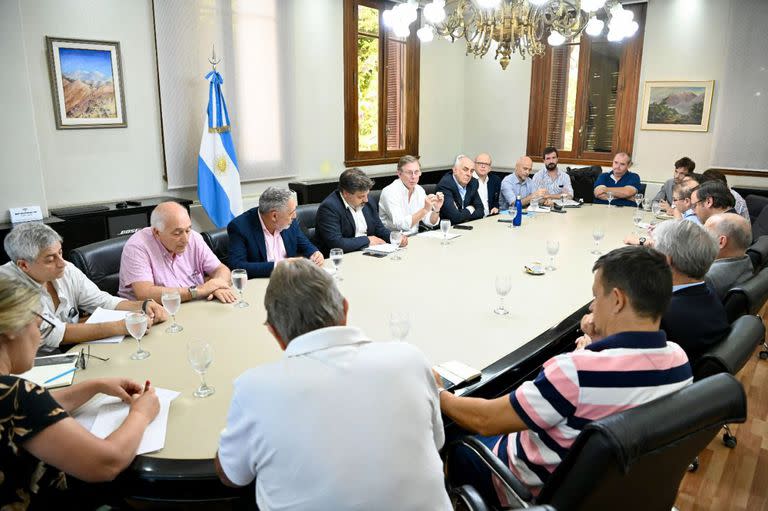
[{"x": 218, "y": 180}]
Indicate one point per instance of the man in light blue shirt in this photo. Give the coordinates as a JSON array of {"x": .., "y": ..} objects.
[
  {"x": 681, "y": 204},
  {"x": 518, "y": 183}
]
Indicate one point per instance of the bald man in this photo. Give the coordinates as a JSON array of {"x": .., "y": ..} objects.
[
  {"x": 461, "y": 203},
  {"x": 170, "y": 256},
  {"x": 488, "y": 184},
  {"x": 518, "y": 183},
  {"x": 732, "y": 266}
]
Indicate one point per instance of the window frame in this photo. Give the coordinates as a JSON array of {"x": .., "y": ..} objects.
[
  {"x": 628, "y": 89},
  {"x": 352, "y": 154}
]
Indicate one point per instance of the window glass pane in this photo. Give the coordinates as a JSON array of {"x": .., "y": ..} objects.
[
  {"x": 368, "y": 93},
  {"x": 602, "y": 84},
  {"x": 562, "y": 96},
  {"x": 367, "y": 20},
  {"x": 396, "y": 80}
]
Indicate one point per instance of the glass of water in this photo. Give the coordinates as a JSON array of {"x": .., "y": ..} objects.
[
  {"x": 638, "y": 199},
  {"x": 563, "y": 198},
  {"x": 646, "y": 204},
  {"x": 656, "y": 208},
  {"x": 239, "y": 280},
  {"x": 200, "y": 356},
  {"x": 337, "y": 255},
  {"x": 172, "y": 302},
  {"x": 445, "y": 227},
  {"x": 637, "y": 219},
  {"x": 610, "y": 198},
  {"x": 503, "y": 287},
  {"x": 553, "y": 247},
  {"x": 136, "y": 323},
  {"x": 400, "y": 324},
  {"x": 395, "y": 237},
  {"x": 597, "y": 234}
]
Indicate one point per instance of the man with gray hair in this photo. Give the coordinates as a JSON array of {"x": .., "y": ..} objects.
[
  {"x": 695, "y": 318},
  {"x": 460, "y": 189},
  {"x": 732, "y": 266},
  {"x": 341, "y": 421},
  {"x": 264, "y": 236},
  {"x": 65, "y": 292}
]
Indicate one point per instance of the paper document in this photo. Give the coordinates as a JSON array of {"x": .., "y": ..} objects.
[
  {"x": 386, "y": 248},
  {"x": 456, "y": 372},
  {"x": 438, "y": 235},
  {"x": 103, "y": 414},
  {"x": 569, "y": 203},
  {"x": 52, "y": 371},
  {"x": 103, "y": 316},
  {"x": 538, "y": 209}
]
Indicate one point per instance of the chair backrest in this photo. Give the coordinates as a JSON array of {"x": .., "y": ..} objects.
[
  {"x": 218, "y": 241},
  {"x": 641, "y": 188},
  {"x": 758, "y": 253},
  {"x": 100, "y": 262},
  {"x": 760, "y": 224},
  {"x": 307, "y": 213},
  {"x": 747, "y": 297},
  {"x": 583, "y": 182},
  {"x": 755, "y": 204},
  {"x": 635, "y": 459},
  {"x": 733, "y": 352},
  {"x": 373, "y": 199},
  {"x": 430, "y": 188}
]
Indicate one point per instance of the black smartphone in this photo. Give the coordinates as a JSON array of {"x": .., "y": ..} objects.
[
  {"x": 463, "y": 227},
  {"x": 375, "y": 254},
  {"x": 506, "y": 220}
]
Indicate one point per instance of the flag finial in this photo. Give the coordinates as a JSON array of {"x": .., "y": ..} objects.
[{"x": 213, "y": 60}]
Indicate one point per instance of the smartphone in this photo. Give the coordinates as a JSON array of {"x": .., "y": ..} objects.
[
  {"x": 463, "y": 227},
  {"x": 506, "y": 220},
  {"x": 375, "y": 254}
]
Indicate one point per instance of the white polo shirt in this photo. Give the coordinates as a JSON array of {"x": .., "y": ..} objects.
[{"x": 340, "y": 422}]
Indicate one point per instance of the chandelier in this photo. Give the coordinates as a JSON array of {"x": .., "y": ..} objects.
[{"x": 512, "y": 26}]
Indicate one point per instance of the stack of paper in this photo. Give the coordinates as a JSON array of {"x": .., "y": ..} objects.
[
  {"x": 104, "y": 316},
  {"x": 438, "y": 235},
  {"x": 386, "y": 248},
  {"x": 569, "y": 203}
]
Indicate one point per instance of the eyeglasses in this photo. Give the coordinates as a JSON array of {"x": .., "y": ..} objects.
[
  {"x": 413, "y": 173},
  {"x": 46, "y": 327},
  {"x": 693, "y": 204},
  {"x": 487, "y": 164},
  {"x": 85, "y": 354}
]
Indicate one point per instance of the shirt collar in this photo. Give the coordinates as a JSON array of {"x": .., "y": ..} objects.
[
  {"x": 476, "y": 176},
  {"x": 346, "y": 204},
  {"x": 637, "y": 340},
  {"x": 324, "y": 338},
  {"x": 457, "y": 183},
  {"x": 19, "y": 273},
  {"x": 683, "y": 286},
  {"x": 263, "y": 225}
]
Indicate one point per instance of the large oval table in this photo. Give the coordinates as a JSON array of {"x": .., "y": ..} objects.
[{"x": 450, "y": 290}]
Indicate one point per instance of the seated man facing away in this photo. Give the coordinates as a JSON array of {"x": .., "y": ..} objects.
[
  {"x": 695, "y": 318},
  {"x": 65, "y": 291},
  {"x": 341, "y": 422},
  {"x": 732, "y": 265},
  {"x": 346, "y": 220},
  {"x": 683, "y": 167},
  {"x": 462, "y": 200},
  {"x": 404, "y": 203},
  {"x": 488, "y": 184},
  {"x": 518, "y": 183},
  {"x": 630, "y": 362},
  {"x": 620, "y": 181},
  {"x": 740, "y": 204},
  {"x": 550, "y": 182},
  {"x": 711, "y": 198},
  {"x": 170, "y": 256},
  {"x": 266, "y": 235}
]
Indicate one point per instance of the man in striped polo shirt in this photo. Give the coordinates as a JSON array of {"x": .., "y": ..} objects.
[{"x": 627, "y": 362}]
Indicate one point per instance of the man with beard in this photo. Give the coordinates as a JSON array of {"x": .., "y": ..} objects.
[
  {"x": 551, "y": 182},
  {"x": 266, "y": 235},
  {"x": 683, "y": 167}
]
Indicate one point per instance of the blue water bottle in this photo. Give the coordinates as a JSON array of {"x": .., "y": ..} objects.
[{"x": 518, "y": 213}]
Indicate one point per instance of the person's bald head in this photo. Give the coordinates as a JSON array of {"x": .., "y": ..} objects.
[
  {"x": 483, "y": 164},
  {"x": 462, "y": 169},
  {"x": 523, "y": 167},
  {"x": 732, "y": 232},
  {"x": 171, "y": 225}
]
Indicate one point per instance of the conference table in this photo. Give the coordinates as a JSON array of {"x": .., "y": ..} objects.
[{"x": 448, "y": 290}]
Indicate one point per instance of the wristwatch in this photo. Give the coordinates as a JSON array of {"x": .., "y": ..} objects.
[
  {"x": 193, "y": 292},
  {"x": 642, "y": 240}
]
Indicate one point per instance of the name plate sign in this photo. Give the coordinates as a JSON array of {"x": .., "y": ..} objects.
[{"x": 25, "y": 214}]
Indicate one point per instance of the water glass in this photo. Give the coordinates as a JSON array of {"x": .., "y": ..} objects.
[
  {"x": 563, "y": 198},
  {"x": 239, "y": 280},
  {"x": 553, "y": 247},
  {"x": 445, "y": 227},
  {"x": 597, "y": 234},
  {"x": 512, "y": 214},
  {"x": 337, "y": 255},
  {"x": 172, "y": 302},
  {"x": 395, "y": 238},
  {"x": 136, "y": 323},
  {"x": 400, "y": 324},
  {"x": 610, "y": 198},
  {"x": 656, "y": 208},
  {"x": 638, "y": 199},
  {"x": 503, "y": 287},
  {"x": 647, "y": 204},
  {"x": 200, "y": 356},
  {"x": 637, "y": 219}
]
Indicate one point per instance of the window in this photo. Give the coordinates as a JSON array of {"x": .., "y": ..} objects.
[
  {"x": 584, "y": 97},
  {"x": 381, "y": 87}
]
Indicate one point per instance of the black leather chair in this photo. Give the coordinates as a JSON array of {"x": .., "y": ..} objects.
[
  {"x": 747, "y": 297},
  {"x": 430, "y": 188},
  {"x": 373, "y": 198},
  {"x": 760, "y": 224},
  {"x": 755, "y": 205},
  {"x": 583, "y": 182},
  {"x": 641, "y": 188},
  {"x": 100, "y": 262},
  {"x": 633, "y": 460},
  {"x": 307, "y": 213},
  {"x": 467, "y": 498},
  {"x": 758, "y": 253},
  {"x": 218, "y": 241}
]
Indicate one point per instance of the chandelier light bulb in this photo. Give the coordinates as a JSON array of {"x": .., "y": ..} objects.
[
  {"x": 614, "y": 35},
  {"x": 401, "y": 30},
  {"x": 594, "y": 27},
  {"x": 388, "y": 18},
  {"x": 538, "y": 2},
  {"x": 592, "y": 5},
  {"x": 410, "y": 13},
  {"x": 488, "y": 4},
  {"x": 555, "y": 38},
  {"x": 632, "y": 29},
  {"x": 434, "y": 12},
  {"x": 426, "y": 34}
]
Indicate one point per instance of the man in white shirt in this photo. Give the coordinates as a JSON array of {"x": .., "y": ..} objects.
[
  {"x": 404, "y": 203},
  {"x": 489, "y": 185},
  {"x": 65, "y": 292},
  {"x": 340, "y": 422}
]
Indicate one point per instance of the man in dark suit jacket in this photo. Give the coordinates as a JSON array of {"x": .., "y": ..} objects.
[
  {"x": 695, "y": 318},
  {"x": 346, "y": 220},
  {"x": 489, "y": 184},
  {"x": 263, "y": 236},
  {"x": 456, "y": 208}
]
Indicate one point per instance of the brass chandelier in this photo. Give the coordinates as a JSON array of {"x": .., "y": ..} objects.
[{"x": 513, "y": 26}]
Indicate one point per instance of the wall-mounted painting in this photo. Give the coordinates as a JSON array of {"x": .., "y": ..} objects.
[
  {"x": 677, "y": 106},
  {"x": 86, "y": 83}
]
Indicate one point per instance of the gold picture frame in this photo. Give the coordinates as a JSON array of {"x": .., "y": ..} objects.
[{"x": 677, "y": 106}]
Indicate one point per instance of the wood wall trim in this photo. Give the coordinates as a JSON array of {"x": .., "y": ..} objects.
[{"x": 741, "y": 172}]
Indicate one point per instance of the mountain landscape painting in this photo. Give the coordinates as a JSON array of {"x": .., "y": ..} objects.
[{"x": 677, "y": 105}]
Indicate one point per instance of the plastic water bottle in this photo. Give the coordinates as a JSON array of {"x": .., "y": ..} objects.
[{"x": 519, "y": 214}]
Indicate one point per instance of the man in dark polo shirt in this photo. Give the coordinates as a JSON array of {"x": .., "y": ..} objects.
[{"x": 622, "y": 183}]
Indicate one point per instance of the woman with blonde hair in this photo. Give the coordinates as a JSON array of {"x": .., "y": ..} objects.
[{"x": 39, "y": 441}]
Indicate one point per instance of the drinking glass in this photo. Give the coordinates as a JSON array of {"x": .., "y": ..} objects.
[
  {"x": 400, "y": 324},
  {"x": 553, "y": 247},
  {"x": 337, "y": 255},
  {"x": 597, "y": 234},
  {"x": 136, "y": 323},
  {"x": 656, "y": 207},
  {"x": 610, "y": 198},
  {"x": 503, "y": 287},
  {"x": 445, "y": 227},
  {"x": 512, "y": 214},
  {"x": 563, "y": 197},
  {"x": 637, "y": 219},
  {"x": 647, "y": 204},
  {"x": 172, "y": 301},
  {"x": 638, "y": 199},
  {"x": 395, "y": 237},
  {"x": 239, "y": 279},
  {"x": 200, "y": 356}
]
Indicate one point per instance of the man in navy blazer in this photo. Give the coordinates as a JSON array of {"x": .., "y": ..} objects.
[
  {"x": 489, "y": 184},
  {"x": 461, "y": 203},
  {"x": 346, "y": 220},
  {"x": 263, "y": 236}
]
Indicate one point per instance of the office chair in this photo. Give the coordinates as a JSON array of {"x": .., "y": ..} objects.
[
  {"x": 748, "y": 298},
  {"x": 755, "y": 205},
  {"x": 100, "y": 262},
  {"x": 758, "y": 253},
  {"x": 760, "y": 224},
  {"x": 306, "y": 214},
  {"x": 373, "y": 199},
  {"x": 218, "y": 241},
  {"x": 430, "y": 188},
  {"x": 633, "y": 460},
  {"x": 467, "y": 498},
  {"x": 583, "y": 182}
]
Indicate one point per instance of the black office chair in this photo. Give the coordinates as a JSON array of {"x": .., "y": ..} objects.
[
  {"x": 633, "y": 460},
  {"x": 747, "y": 297},
  {"x": 755, "y": 204},
  {"x": 100, "y": 262},
  {"x": 307, "y": 213},
  {"x": 641, "y": 188},
  {"x": 373, "y": 199},
  {"x": 760, "y": 224},
  {"x": 758, "y": 253},
  {"x": 467, "y": 498},
  {"x": 583, "y": 182},
  {"x": 430, "y": 188},
  {"x": 218, "y": 241}
]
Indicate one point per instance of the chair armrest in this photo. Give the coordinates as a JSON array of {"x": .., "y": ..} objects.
[{"x": 467, "y": 498}]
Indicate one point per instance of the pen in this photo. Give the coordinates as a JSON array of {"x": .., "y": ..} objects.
[
  {"x": 49, "y": 380},
  {"x": 146, "y": 386}
]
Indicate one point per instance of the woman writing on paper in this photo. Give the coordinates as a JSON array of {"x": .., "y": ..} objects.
[{"x": 39, "y": 441}]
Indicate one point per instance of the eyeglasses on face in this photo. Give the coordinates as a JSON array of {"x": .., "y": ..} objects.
[{"x": 411, "y": 173}]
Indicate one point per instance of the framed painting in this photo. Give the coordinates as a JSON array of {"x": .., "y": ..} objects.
[
  {"x": 86, "y": 83},
  {"x": 677, "y": 106}
]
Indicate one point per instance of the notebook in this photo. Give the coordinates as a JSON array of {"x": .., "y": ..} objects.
[
  {"x": 52, "y": 371},
  {"x": 455, "y": 373}
]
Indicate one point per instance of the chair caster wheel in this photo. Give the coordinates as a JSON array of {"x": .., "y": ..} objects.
[
  {"x": 729, "y": 440},
  {"x": 694, "y": 466}
]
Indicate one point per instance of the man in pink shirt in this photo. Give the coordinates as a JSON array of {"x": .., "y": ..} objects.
[{"x": 170, "y": 256}]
